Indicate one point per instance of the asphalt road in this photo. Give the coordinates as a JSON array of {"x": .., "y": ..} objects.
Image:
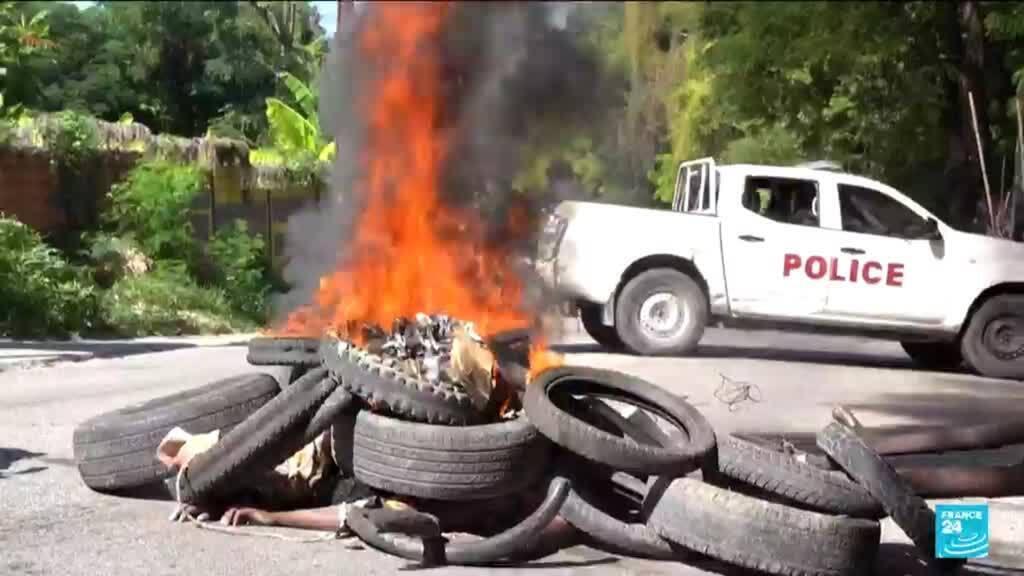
[{"x": 51, "y": 524}]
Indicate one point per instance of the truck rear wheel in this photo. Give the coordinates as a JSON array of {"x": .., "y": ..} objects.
[
  {"x": 993, "y": 344},
  {"x": 606, "y": 336},
  {"x": 661, "y": 312},
  {"x": 934, "y": 355}
]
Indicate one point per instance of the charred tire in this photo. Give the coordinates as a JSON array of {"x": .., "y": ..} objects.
[
  {"x": 558, "y": 384},
  {"x": 383, "y": 387},
  {"x": 661, "y": 312},
  {"x": 790, "y": 481},
  {"x": 907, "y": 509},
  {"x": 762, "y": 535},
  {"x": 284, "y": 351},
  {"x": 516, "y": 540},
  {"x": 264, "y": 440},
  {"x": 447, "y": 462},
  {"x": 606, "y": 336},
  {"x": 993, "y": 344},
  {"x": 117, "y": 450},
  {"x": 934, "y": 355}
]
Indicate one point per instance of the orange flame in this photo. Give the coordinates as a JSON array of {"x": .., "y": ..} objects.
[{"x": 411, "y": 252}]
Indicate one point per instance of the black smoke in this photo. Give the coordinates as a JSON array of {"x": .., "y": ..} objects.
[{"x": 510, "y": 71}]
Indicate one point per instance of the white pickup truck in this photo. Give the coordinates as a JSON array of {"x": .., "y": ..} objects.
[{"x": 801, "y": 246}]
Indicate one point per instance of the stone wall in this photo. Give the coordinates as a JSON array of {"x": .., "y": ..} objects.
[{"x": 32, "y": 190}]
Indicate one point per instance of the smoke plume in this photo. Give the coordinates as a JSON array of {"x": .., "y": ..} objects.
[{"x": 511, "y": 71}]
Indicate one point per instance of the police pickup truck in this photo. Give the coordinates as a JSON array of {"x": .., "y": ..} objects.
[{"x": 805, "y": 246}]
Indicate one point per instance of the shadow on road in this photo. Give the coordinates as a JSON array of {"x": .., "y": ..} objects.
[
  {"x": 766, "y": 353},
  {"x": 9, "y": 456},
  {"x": 963, "y": 401}
]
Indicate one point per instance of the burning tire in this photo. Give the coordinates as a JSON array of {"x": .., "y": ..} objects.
[
  {"x": 790, "y": 481},
  {"x": 380, "y": 384},
  {"x": 907, "y": 509},
  {"x": 265, "y": 439},
  {"x": 762, "y": 535},
  {"x": 284, "y": 351},
  {"x": 447, "y": 462},
  {"x": 546, "y": 398},
  {"x": 117, "y": 450}
]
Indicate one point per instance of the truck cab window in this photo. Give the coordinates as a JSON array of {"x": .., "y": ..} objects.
[
  {"x": 785, "y": 200},
  {"x": 869, "y": 211}
]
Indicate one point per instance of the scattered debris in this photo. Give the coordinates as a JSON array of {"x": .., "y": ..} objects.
[{"x": 734, "y": 393}]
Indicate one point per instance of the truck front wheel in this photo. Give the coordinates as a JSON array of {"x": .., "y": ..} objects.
[
  {"x": 606, "y": 336},
  {"x": 993, "y": 344},
  {"x": 661, "y": 312}
]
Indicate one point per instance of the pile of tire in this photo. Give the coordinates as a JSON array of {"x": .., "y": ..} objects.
[{"x": 657, "y": 484}]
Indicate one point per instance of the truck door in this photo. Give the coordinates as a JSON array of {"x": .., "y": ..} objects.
[
  {"x": 888, "y": 272},
  {"x": 768, "y": 242}
]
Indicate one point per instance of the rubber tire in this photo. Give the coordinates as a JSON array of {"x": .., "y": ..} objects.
[
  {"x": 117, "y": 450},
  {"x": 934, "y": 355},
  {"x": 517, "y": 540},
  {"x": 618, "y": 536},
  {"x": 602, "y": 447},
  {"x": 448, "y": 462},
  {"x": 908, "y": 510},
  {"x": 633, "y": 294},
  {"x": 606, "y": 336},
  {"x": 384, "y": 388},
  {"x": 262, "y": 441},
  {"x": 790, "y": 481},
  {"x": 762, "y": 535},
  {"x": 284, "y": 351},
  {"x": 974, "y": 353}
]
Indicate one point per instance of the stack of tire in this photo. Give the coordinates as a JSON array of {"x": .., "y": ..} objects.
[{"x": 674, "y": 491}]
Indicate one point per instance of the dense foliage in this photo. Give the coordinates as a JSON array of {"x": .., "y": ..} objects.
[
  {"x": 882, "y": 88},
  {"x": 179, "y": 67},
  {"x": 41, "y": 293}
]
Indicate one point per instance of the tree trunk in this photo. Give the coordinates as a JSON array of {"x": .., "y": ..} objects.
[
  {"x": 965, "y": 40},
  {"x": 966, "y": 36}
]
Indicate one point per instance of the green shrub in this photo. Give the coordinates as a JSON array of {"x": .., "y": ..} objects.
[
  {"x": 240, "y": 266},
  {"x": 113, "y": 257},
  {"x": 70, "y": 138},
  {"x": 40, "y": 293},
  {"x": 151, "y": 207},
  {"x": 167, "y": 302}
]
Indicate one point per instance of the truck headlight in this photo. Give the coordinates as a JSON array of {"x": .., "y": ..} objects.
[{"x": 551, "y": 237}]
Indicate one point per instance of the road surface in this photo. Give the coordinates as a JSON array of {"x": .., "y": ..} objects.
[{"x": 51, "y": 524}]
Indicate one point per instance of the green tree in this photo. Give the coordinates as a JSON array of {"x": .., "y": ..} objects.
[
  {"x": 294, "y": 132},
  {"x": 177, "y": 67}
]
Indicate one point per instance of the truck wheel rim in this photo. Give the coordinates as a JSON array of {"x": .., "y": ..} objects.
[
  {"x": 662, "y": 315},
  {"x": 1004, "y": 338}
]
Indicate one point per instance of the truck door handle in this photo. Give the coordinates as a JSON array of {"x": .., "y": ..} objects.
[
  {"x": 851, "y": 251},
  {"x": 749, "y": 238}
]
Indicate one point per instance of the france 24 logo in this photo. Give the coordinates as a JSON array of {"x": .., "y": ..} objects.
[{"x": 961, "y": 530}]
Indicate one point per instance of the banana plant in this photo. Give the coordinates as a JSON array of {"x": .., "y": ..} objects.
[{"x": 293, "y": 130}]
